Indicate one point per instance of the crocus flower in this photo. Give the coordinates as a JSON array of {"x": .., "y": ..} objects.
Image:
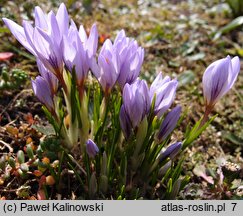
[
  {"x": 165, "y": 90},
  {"x": 125, "y": 122},
  {"x": 107, "y": 69},
  {"x": 44, "y": 40},
  {"x": 136, "y": 103},
  {"x": 169, "y": 123},
  {"x": 219, "y": 78},
  {"x": 131, "y": 58},
  {"x": 48, "y": 76},
  {"x": 171, "y": 151},
  {"x": 78, "y": 50},
  {"x": 42, "y": 91},
  {"x": 91, "y": 148}
]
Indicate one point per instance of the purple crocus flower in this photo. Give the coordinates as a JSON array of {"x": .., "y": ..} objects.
[
  {"x": 136, "y": 104},
  {"x": 43, "y": 40},
  {"x": 169, "y": 123},
  {"x": 165, "y": 90},
  {"x": 91, "y": 148},
  {"x": 78, "y": 50},
  {"x": 48, "y": 76},
  {"x": 42, "y": 91},
  {"x": 131, "y": 58},
  {"x": 125, "y": 122},
  {"x": 171, "y": 151},
  {"x": 107, "y": 69},
  {"x": 219, "y": 78}
]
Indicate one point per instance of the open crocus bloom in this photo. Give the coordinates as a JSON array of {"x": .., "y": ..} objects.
[
  {"x": 219, "y": 78},
  {"x": 44, "y": 39}
]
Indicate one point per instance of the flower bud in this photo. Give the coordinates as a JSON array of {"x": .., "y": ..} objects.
[
  {"x": 171, "y": 151},
  {"x": 91, "y": 148},
  {"x": 169, "y": 123},
  {"x": 103, "y": 183},
  {"x": 219, "y": 78},
  {"x": 92, "y": 186}
]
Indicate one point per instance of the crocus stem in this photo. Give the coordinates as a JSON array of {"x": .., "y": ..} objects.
[
  {"x": 62, "y": 81},
  {"x": 84, "y": 117},
  {"x": 208, "y": 110},
  {"x": 81, "y": 90}
]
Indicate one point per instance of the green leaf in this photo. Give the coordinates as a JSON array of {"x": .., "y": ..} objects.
[
  {"x": 169, "y": 187},
  {"x": 46, "y": 130},
  {"x": 233, "y": 138},
  {"x": 20, "y": 157},
  {"x": 237, "y": 22},
  {"x": 196, "y": 131},
  {"x": 186, "y": 78},
  {"x": 196, "y": 57},
  {"x": 30, "y": 152}
]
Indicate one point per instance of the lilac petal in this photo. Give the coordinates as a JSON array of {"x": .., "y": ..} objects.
[
  {"x": 73, "y": 25},
  {"x": 82, "y": 34},
  {"x": 171, "y": 151},
  {"x": 169, "y": 123},
  {"x": 157, "y": 84},
  {"x": 220, "y": 77},
  {"x": 165, "y": 97},
  {"x": 62, "y": 19},
  {"x": 29, "y": 31},
  {"x": 235, "y": 70},
  {"x": 55, "y": 33},
  {"x": 69, "y": 53},
  {"x": 43, "y": 92},
  {"x": 120, "y": 36},
  {"x": 48, "y": 76},
  {"x": 92, "y": 42},
  {"x": 94, "y": 67},
  {"x": 18, "y": 33},
  {"x": 40, "y": 18}
]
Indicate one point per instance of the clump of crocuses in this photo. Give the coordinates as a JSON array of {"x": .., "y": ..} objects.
[{"x": 118, "y": 124}]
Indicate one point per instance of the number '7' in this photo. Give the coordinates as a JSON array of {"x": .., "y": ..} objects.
[{"x": 234, "y": 205}]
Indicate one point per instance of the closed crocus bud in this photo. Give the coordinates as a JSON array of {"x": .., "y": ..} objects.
[
  {"x": 165, "y": 90},
  {"x": 219, "y": 78},
  {"x": 169, "y": 123},
  {"x": 136, "y": 101},
  {"x": 42, "y": 91},
  {"x": 91, "y": 148},
  {"x": 171, "y": 151},
  {"x": 131, "y": 58},
  {"x": 48, "y": 76},
  {"x": 107, "y": 69}
]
